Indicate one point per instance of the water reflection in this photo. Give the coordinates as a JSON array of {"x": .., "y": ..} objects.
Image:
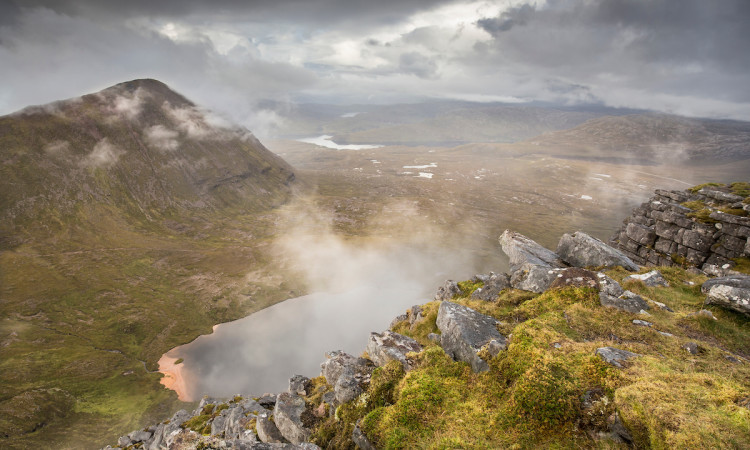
[{"x": 260, "y": 352}]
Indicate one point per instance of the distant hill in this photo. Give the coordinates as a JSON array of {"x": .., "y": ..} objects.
[
  {"x": 137, "y": 149},
  {"x": 651, "y": 138},
  {"x": 432, "y": 123}
]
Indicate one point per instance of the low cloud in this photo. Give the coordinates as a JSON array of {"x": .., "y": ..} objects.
[
  {"x": 162, "y": 137},
  {"x": 104, "y": 155},
  {"x": 129, "y": 104}
]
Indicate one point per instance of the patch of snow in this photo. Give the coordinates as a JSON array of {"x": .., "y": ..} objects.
[
  {"x": 603, "y": 175},
  {"x": 586, "y": 197},
  {"x": 425, "y": 166},
  {"x": 597, "y": 179},
  {"x": 424, "y": 175},
  {"x": 375, "y": 161},
  {"x": 351, "y": 114}
]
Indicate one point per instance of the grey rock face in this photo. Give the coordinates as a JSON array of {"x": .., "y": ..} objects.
[
  {"x": 398, "y": 319},
  {"x": 288, "y": 417},
  {"x": 347, "y": 387},
  {"x": 581, "y": 250},
  {"x": 267, "y": 401},
  {"x": 360, "y": 440},
  {"x": 734, "y": 298},
  {"x": 388, "y": 346},
  {"x": 574, "y": 276},
  {"x": 493, "y": 284},
  {"x": 641, "y": 234},
  {"x": 522, "y": 250},
  {"x": 720, "y": 195},
  {"x": 464, "y": 333},
  {"x": 163, "y": 437},
  {"x": 338, "y": 361},
  {"x": 267, "y": 430},
  {"x": 642, "y": 323},
  {"x": 609, "y": 286},
  {"x": 299, "y": 385},
  {"x": 627, "y": 301},
  {"x": 615, "y": 356},
  {"x": 415, "y": 314},
  {"x": 738, "y": 281},
  {"x": 534, "y": 277},
  {"x": 653, "y": 279},
  {"x": 447, "y": 291}
]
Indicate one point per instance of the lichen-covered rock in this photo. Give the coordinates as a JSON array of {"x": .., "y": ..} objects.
[
  {"x": 465, "y": 331},
  {"x": 347, "y": 387},
  {"x": 609, "y": 286},
  {"x": 581, "y": 250},
  {"x": 388, "y": 346},
  {"x": 575, "y": 277},
  {"x": 267, "y": 430},
  {"x": 338, "y": 361},
  {"x": 627, "y": 301},
  {"x": 493, "y": 285},
  {"x": 738, "y": 281},
  {"x": 641, "y": 234},
  {"x": 398, "y": 319},
  {"x": 615, "y": 356},
  {"x": 360, "y": 440},
  {"x": 522, "y": 250},
  {"x": 299, "y": 385},
  {"x": 534, "y": 277},
  {"x": 734, "y": 298},
  {"x": 288, "y": 417},
  {"x": 652, "y": 279},
  {"x": 447, "y": 291}
]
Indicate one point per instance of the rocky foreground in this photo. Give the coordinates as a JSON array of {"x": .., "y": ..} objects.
[{"x": 574, "y": 347}]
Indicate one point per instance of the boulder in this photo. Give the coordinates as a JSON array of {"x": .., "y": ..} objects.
[
  {"x": 465, "y": 332},
  {"x": 534, "y": 277},
  {"x": 235, "y": 425},
  {"x": 388, "y": 346},
  {"x": 574, "y": 276},
  {"x": 347, "y": 386},
  {"x": 734, "y": 298},
  {"x": 581, "y": 250},
  {"x": 627, "y": 301},
  {"x": 338, "y": 361},
  {"x": 642, "y": 323},
  {"x": 615, "y": 356},
  {"x": 360, "y": 440},
  {"x": 493, "y": 285},
  {"x": 447, "y": 291},
  {"x": 398, "y": 319},
  {"x": 288, "y": 417},
  {"x": 609, "y": 286},
  {"x": 300, "y": 385},
  {"x": 415, "y": 314},
  {"x": 267, "y": 401},
  {"x": 522, "y": 250},
  {"x": 738, "y": 281},
  {"x": 267, "y": 430},
  {"x": 652, "y": 279}
]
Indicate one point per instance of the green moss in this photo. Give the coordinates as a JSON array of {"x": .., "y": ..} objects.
[
  {"x": 179, "y": 361},
  {"x": 741, "y": 188},
  {"x": 545, "y": 396},
  {"x": 734, "y": 211},
  {"x": 695, "y": 205},
  {"x": 703, "y": 216},
  {"x": 468, "y": 287},
  {"x": 697, "y": 188},
  {"x": 742, "y": 265}
]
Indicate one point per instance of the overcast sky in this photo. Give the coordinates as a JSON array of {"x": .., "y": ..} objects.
[{"x": 688, "y": 57}]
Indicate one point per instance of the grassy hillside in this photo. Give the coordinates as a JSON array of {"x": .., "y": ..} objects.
[{"x": 550, "y": 390}]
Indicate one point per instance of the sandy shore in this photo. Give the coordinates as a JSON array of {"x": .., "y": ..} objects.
[{"x": 173, "y": 378}]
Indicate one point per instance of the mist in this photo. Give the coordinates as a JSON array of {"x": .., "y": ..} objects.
[{"x": 358, "y": 285}]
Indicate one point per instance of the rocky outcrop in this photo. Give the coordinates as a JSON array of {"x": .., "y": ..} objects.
[
  {"x": 447, "y": 291},
  {"x": 737, "y": 281},
  {"x": 288, "y": 417},
  {"x": 522, "y": 250},
  {"x": 612, "y": 295},
  {"x": 493, "y": 284},
  {"x": 651, "y": 279},
  {"x": 465, "y": 332},
  {"x": 615, "y": 356},
  {"x": 683, "y": 227},
  {"x": 389, "y": 346},
  {"x": 534, "y": 277},
  {"x": 267, "y": 430},
  {"x": 734, "y": 298},
  {"x": 581, "y": 250}
]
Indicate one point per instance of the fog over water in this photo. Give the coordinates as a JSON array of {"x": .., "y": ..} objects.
[{"x": 359, "y": 286}]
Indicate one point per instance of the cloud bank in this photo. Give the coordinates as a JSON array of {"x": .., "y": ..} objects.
[{"x": 682, "y": 56}]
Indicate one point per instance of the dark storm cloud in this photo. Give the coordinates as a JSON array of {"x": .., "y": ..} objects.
[{"x": 321, "y": 12}]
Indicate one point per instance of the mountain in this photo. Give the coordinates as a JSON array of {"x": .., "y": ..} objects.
[
  {"x": 131, "y": 221},
  {"x": 651, "y": 138},
  {"x": 137, "y": 150}
]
